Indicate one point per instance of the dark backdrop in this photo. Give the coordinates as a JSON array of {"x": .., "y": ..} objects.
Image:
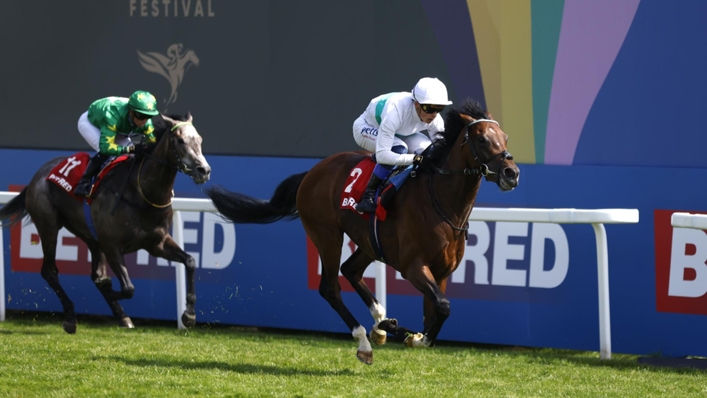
[{"x": 283, "y": 78}]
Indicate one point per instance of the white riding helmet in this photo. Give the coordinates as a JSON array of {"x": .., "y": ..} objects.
[{"x": 430, "y": 90}]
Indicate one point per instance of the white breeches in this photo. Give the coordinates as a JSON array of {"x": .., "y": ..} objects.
[{"x": 92, "y": 134}]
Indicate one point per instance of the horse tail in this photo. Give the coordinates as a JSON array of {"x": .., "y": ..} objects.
[
  {"x": 14, "y": 209},
  {"x": 243, "y": 209}
]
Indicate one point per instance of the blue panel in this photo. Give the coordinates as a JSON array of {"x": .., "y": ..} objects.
[
  {"x": 650, "y": 109},
  {"x": 266, "y": 282}
]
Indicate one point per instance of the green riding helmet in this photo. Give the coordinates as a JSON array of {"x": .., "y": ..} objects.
[{"x": 143, "y": 102}]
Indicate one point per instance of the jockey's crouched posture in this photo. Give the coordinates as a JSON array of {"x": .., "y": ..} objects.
[
  {"x": 106, "y": 127},
  {"x": 391, "y": 127}
]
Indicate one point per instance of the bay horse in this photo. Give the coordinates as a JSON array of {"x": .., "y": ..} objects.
[
  {"x": 423, "y": 236},
  {"x": 141, "y": 220}
]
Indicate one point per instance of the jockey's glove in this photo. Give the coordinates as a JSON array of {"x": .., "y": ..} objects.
[{"x": 137, "y": 150}]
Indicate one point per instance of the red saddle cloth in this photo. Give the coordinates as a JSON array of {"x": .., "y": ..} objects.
[
  {"x": 67, "y": 173},
  {"x": 355, "y": 186}
]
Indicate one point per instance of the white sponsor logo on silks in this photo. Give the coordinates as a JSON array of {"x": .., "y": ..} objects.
[
  {"x": 172, "y": 66},
  {"x": 61, "y": 181},
  {"x": 209, "y": 256},
  {"x": 171, "y": 8}
]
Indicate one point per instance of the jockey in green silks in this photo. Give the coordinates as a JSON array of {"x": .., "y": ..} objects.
[{"x": 106, "y": 127}]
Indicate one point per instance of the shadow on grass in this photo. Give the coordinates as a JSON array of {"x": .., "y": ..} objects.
[
  {"x": 24, "y": 332},
  {"x": 318, "y": 338},
  {"x": 583, "y": 358},
  {"x": 245, "y": 368}
]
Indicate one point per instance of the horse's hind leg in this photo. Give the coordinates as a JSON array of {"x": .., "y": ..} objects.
[
  {"x": 171, "y": 251},
  {"x": 100, "y": 277},
  {"x": 329, "y": 243},
  {"x": 48, "y": 229},
  {"x": 353, "y": 269}
]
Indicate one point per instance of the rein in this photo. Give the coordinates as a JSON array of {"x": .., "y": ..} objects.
[
  {"x": 181, "y": 167},
  {"x": 139, "y": 189},
  {"x": 482, "y": 170}
]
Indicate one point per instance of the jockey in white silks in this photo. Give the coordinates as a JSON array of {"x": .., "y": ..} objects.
[{"x": 391, "y": 127}]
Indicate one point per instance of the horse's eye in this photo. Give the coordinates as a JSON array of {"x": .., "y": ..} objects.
[
  {"x": 481, "y": 139},
  {"x": 181, "y": 141}
]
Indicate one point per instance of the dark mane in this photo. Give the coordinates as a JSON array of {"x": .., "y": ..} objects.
[{"x": 454, "y": 125}]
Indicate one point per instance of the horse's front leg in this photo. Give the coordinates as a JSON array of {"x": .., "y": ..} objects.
[
  {"x": 420, "y": 276},
  {"x": 169, "y": 250},
  {"x": 117, "y": 263},
  {"x": 100, "y": 277}
]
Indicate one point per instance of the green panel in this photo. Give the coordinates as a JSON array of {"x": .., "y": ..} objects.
[{"x": 546, "y": 20}]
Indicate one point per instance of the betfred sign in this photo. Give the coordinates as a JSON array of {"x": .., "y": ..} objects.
[
  {"x": 500, "y": 258},
  {"x": 680, "y": 266}
]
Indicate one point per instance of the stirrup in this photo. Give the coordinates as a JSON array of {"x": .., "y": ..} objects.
[
  {"x": 82, "y": 190},
  {"x": 366, "y": 206}
]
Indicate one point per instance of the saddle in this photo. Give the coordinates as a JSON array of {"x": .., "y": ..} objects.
[
  {"x": 67, "y": 173},
  {"x": 358, "y": 180}
]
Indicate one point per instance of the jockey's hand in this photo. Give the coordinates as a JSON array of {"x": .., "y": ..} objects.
[
  {"x": 423, "y": 158},
  {"x": 420, "y": 161},
  {"x": 136, "y": 149},
  {"x": 139, "y": 150},
  {"x": 417, "y": 160}
]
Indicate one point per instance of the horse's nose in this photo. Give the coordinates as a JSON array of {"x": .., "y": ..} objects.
[
  {"x": 511, "y": 174},
  {"x": 204, "y": 172}
]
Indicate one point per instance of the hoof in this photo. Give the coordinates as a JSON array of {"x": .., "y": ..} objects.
[
  {"x": 69, "y": 327},
  {"x": 127, "y": 323},
  {"x": 378, "y": 337},
  {"x": 389, "y": 325},
  {"x": 414, "y": 340},
  {"x": 365, "y": 357},
  {"x": 102, "y": 281},
  {"x": 189, "y": 320}
]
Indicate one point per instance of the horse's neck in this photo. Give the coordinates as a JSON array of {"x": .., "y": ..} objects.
[
  {"x": 456, "y": 193},
  {"x": 157, "y": 176}
]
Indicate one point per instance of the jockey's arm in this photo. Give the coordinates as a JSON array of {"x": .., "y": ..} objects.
[
  {"x": 436, "y": 126},
  {"x": 386, "y": 135},
  {"x": 107, "y": 145},
  {"x": 148, "y": 130}
]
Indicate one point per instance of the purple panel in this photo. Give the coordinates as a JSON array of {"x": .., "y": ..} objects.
[
  {"x": 591, "y": 37},
  {"x": 455, "y": 35}
]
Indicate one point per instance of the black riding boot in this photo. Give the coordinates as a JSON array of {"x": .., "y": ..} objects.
[
  {"x": 367, "y": 205},
  {"x": 83, "y": 188}
]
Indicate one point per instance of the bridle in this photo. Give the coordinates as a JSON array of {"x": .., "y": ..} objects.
[
  {"x": 482, "y": 170},
  {"x": 180, "y": 166}
]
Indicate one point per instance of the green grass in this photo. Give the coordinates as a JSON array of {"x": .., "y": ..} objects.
[{"x": 37, "y": 358}]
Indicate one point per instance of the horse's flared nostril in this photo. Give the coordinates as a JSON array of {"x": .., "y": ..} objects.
[
  {"x": 203, "y": 172},
  {"x": 510, "y": 173}
]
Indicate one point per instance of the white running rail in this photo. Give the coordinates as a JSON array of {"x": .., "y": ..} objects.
[
  {"x": 687, "y": 220},
  {"x": 597, "y": 218}
]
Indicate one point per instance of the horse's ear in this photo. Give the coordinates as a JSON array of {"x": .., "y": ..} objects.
[
  {"x": 490, "y": 115},
  {"x": 189, "y": 117},
  {"x": 468, "y": 119},
  {"x": 168, "y": 119}
]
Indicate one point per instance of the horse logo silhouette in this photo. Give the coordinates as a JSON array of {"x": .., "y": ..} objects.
[{"x": 172, "y": 66}]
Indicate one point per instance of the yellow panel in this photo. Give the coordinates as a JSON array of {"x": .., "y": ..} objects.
[{"x": 503, "y": 39}]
